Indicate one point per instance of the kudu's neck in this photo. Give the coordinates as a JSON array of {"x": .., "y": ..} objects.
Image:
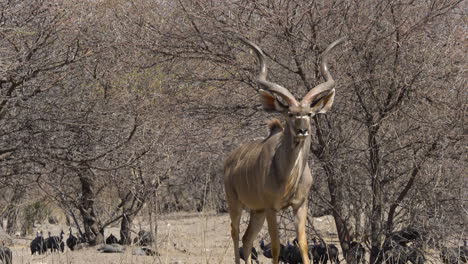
[{"x": 291, "y": 155}]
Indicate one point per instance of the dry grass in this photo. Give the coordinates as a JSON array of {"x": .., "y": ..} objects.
[{"x": 182, "y": 238}]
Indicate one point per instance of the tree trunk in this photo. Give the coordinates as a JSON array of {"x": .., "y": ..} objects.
[
  {"x": 93, "y": 233},
  {"x": 125, "y": 227},
  {"x": 336, "y": 203},
  {"x": 12, "y": 211},
  {"x": 131, "y": 206},
  {"x": 377, "y": 200},
  {"x": 12, "y": 218},
  {"x": 153, "y": 219},
  {"x": 77, "y": 224}
]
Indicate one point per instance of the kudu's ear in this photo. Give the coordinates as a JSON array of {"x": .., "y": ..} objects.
[
  {"x": 324, "y": 102},
  {"x": 271, "y": 103}
]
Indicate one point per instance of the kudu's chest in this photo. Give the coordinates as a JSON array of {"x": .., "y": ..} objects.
[{"x": 293, "y": 185}]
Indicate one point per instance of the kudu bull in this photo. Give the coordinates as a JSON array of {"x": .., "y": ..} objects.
[{"x": 268, "y": 175}]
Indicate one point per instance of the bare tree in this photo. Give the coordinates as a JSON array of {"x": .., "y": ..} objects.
[{"x": 37, "y": 46}]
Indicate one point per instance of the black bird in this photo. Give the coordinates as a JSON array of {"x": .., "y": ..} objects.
[
  {"x": 333, "y": 253},
  {"x": 319, "y": 251},
  {"x": 254, "y": 254},
  {"x": 408, "y": 234},
  {"x": 62, "y": 246},
  {"x": 54, "y": 243},
  {"x": 111, "y": 239},
  {"x": 72, "y": 240},
  {"x": 354, "y": 252},
  {"x": 38, "y": 244},
  {"x": 266, "y": 249},
  {"x": 292, "y": 253},
  {"x": 6, "y": 257}
]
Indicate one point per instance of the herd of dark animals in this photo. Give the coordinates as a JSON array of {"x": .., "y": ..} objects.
[
  {"x": 405, "y": 246},
  {"x": 400, "y": 247},
  {"x": 41, "y": 245},
  {"x": 319, "y": 252},
  {"x": 53, "y": 243},
  {"x": 396, "y": 249}
]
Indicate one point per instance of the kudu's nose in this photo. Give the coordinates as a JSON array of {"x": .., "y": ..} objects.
[{"x": 302, "y": 131}]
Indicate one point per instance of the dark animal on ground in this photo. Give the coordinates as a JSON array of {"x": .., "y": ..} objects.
[
  {"x": 292, "y": 253},
  {"x": 396, "y": 252},
  {"x": 111, "y": 239},
  {"x": 321, "y": 252},
  {"x": 62, "y": 246},
  {"x": 266, "y": 250},
  {"x": 38, "y": 244},
  {"x": 72, "y": 241},
  {"x": 406, "y": 235},
  {"x": 253, "y": 254},
  {"x": 354, "y": 252},
  {"x": 6, "y": 256},
  {"x": 333, "y": 253},
  {"x": 144, "y": 238},
  {"x": 111, "y": 248},
  {"x": 55, "y": 243}
]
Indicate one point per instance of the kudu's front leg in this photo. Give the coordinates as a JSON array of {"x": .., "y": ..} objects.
[
  {"x": 274, "y": 234},
  {"x": 300, "y": 220}
]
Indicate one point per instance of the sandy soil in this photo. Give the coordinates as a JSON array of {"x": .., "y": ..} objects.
[{"x": 182, "y": 238}]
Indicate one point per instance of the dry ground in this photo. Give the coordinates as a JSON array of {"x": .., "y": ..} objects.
[{"x": 182, "y": 238}]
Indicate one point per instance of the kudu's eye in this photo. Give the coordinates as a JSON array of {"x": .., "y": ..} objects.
[
  {"x": 309, "y": 114},
  {"x": 290, "y": 114}
]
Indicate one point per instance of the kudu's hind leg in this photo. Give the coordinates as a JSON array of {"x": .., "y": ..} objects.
[
  {"x": 257, "y": 218},
  {"x": 235, "y": 212}
]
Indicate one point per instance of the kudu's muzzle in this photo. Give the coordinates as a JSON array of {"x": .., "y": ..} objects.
[{"x": 301, "y": 126}]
